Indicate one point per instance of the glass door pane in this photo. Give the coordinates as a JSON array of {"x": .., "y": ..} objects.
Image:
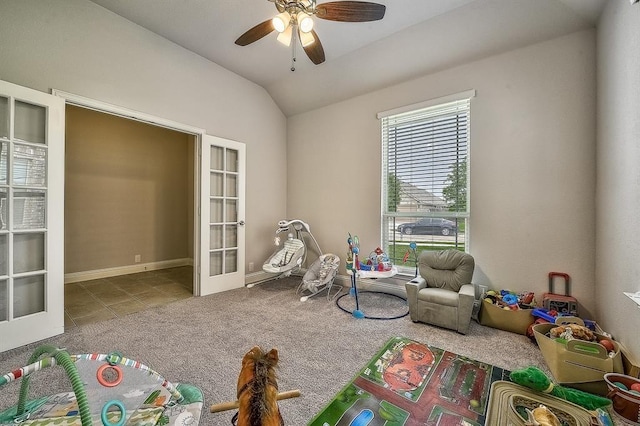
[
  {"x": 28, "y": 295},
  {"x": 30, "y": 122},
  {"x": 3, "y": 162},
  {"x": 4, "y": 300},
  {"x": 4, "y": 117}
]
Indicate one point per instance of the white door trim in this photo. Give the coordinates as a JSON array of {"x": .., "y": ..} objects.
[
  {"x": 132, "y": 114},
  {"x": 105, "y": 107}
]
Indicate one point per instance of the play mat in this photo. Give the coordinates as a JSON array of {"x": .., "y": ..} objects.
[
  {"x": 409, "y": 384},
  {"x": 108, "y": 389}
]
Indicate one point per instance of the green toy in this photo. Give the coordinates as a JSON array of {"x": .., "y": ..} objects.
[{"x": 536, "y": 379}]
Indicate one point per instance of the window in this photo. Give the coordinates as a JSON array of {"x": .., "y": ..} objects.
[{"x": 425, "y": 178}]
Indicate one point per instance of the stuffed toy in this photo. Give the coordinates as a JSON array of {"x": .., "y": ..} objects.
[
  {"x": 541, "y": 416},
  {"x": 573, "y": 331},
  {"x": 536, "y": 379}
]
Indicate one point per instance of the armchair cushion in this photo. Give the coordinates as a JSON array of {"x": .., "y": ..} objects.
[{"x": 446, "y": 269}]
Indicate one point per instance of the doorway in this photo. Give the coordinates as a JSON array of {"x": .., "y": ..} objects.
[{"x": 129, "y": 209}]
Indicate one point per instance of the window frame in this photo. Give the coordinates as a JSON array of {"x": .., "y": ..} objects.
[{"x": 389, "y": 219}]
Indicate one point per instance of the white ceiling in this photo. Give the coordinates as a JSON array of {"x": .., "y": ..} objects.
[{"x": 415, "y": 37}]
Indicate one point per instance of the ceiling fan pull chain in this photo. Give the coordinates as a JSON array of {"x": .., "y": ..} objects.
[{"x": 293, "y": 49}]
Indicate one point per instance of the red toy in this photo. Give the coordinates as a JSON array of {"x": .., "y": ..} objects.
[{"x": 563, "y": 303}]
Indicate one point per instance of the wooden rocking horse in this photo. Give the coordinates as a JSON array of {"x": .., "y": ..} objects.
[{"x": 258, "y": 390}]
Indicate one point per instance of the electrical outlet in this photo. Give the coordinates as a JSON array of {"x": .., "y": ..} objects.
[
  {"x": 250, "y": 266},
  {"x": 480, "y": 290},
  {"x": 137, "y": 258}
]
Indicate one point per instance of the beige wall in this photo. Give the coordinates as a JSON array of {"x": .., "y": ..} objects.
[
  {"x": 127, "y": 192},
  {"x": 532, "y": 164},
  {"x": 618, "y": 183}
]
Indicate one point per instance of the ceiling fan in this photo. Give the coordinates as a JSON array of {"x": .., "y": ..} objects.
[{"x": 294, "y": 20}]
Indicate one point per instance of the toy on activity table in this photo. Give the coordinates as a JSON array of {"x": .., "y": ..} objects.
[
  {"x": 352, "y": 256},
  {"x": 412, "y": 249},
  {"x": 377, "y": 261},
  {"x": 536, "y": 379},
  {"x": 376, "y": 265},
  {"x": 107, "y": 389},
  {"x": 354, "y": 250}
]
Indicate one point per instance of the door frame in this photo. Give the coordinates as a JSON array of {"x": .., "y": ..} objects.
[{"x": 107, "y": 108}]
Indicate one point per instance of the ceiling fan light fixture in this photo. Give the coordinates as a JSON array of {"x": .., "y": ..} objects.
[
  {"x": 306, "y": 39},
  {"x": 281, "y": 22},
  {"x": 305, "y": 23},
  {"x": 285, "y": 36}
]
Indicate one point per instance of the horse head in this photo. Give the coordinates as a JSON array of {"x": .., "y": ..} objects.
[{"x": 258, "y": 389}]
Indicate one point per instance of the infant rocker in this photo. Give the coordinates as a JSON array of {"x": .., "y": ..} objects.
[{"x": 320, "y": 277}]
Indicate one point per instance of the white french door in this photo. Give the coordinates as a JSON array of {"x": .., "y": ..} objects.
[
  {"x": 222, "y": 232},
  {"x": 31, "y": 215}
]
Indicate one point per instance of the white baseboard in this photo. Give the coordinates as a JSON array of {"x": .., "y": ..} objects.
[
  {"x": 257, "y": 277},
  {"x": 261, "y": 276},
  {"x": 75, "y": 277}
]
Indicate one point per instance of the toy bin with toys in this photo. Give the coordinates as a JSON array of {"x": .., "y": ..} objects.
[
  {"x": 576, "y": 356},
  {"x": 624, "y": 392},
  {"x": 507, "y": 311}
]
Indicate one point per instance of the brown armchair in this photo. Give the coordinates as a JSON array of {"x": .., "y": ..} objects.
[{"x": 442, "y": 293}]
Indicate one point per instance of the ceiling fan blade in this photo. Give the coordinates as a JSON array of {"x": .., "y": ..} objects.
[
  {"x": 255, "y": 33},
  {"x": 315, "y": 51},
  {"x": 350, "y": 11}
]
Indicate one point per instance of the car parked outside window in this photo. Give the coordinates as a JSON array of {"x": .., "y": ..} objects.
[{"x": 429, "y": 226}]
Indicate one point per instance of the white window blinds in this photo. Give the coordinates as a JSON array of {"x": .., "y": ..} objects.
[{"x": 425, "y": 160}]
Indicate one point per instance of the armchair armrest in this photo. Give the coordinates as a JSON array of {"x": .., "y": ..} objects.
[
  {"x": 413, "y": 287},
  {"x": 418, "y": 282},
  {"x": 466, "y": 297},
  {"x": 468, "y": 290}
]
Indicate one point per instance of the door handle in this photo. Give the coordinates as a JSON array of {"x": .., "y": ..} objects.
[{"x": 241, "y": 223}]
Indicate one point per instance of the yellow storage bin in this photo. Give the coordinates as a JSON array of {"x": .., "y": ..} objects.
[
  {"x": 578, "y": 363},
  {"x": 509, "y": 320}
]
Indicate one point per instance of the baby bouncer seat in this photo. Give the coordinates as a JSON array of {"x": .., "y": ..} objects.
[{"x": 320, "y": 277}]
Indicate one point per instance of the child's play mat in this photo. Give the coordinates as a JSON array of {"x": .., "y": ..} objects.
[{"x": 107, "y": 389}]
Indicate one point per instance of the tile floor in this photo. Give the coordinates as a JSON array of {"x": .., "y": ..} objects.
[{"x": 106, "y": 298}]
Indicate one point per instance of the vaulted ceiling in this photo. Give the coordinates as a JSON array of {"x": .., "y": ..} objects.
[{"x": 416, "y": 37}]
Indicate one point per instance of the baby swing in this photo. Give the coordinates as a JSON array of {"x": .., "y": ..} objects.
[
  {"x": 293, "y": 252},
  {"x": 291, "y": 256}
]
